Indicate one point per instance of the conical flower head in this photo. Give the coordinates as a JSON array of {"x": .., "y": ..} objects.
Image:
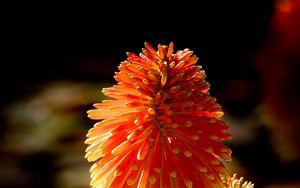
[{"x": 161, "y": 127}]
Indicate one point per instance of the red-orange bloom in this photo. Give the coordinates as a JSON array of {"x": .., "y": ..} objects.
[{"x": 161, "y": 127}]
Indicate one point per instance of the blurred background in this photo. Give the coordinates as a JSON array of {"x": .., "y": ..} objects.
[{"x": 56, "y": 58}]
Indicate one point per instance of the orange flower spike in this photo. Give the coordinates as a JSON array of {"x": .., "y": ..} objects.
[{"x": 161, "y": 127}]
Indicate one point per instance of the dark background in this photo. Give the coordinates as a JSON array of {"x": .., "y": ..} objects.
[
  {"x": 42, "y": 43},
  {"x": 46, "y": 42}
]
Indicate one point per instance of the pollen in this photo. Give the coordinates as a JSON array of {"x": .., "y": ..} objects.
[
  {"x": 215, "y": 162},
  {"x": 151, "y": 111},
  {"x": 134, "y": 168},
  {"x": 214, "y": 137},
  {"x": 195, "y": 137},
  {"x": 199, "y": 107},
  {"x": 117, "y": 173},
  {"x": 203, "y": 169},
  {"x": 209, "y": 150},
  {"x": 210, "y": 177},
  {"x": 187, "y": 153},
  {"x": 170, "y": 112},
  {"x": 157, "y": 170},
  {"x": 176, "y": 151},
  {"x": 174, "y": 125},
  {"x": 130, "y": 181},
  {"x": 189, "y": 103},
  {"x": 173, "y": 174},
  {"x": 189, "y": 184},
  {"x": 151, "y": 139},
  {"x": 188, "y": 124},
  {"x": 145, "y": 81},
  {"x": 169, "y": 120},
  {"x": 188, "y": 94},
  {"x": 152, "y": 180}
]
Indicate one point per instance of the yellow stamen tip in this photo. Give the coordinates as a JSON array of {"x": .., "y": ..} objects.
[
  {"x": 157, "y": 170},
  {"x": 195, "y": 137},
  {"x": 189, "y": 184},
  {"x": 203, "y": 169},
  {"x": 117, "y": 173},
  {"x": 152, "y": 180},
  {"x": 173, "y": 174},
  {"x": 130, "y": 181},
  {"x": 209, "y": 150},
  {"x": 174, "y": 125},
  {"x": 151, "y": 111},
  {"x": 176, "y": 151},
  {"x": 215, "y": 162},
  {"x": 188, "y": 153},
  {"x": 188, "y": 124},
  {"x": 210, "y": 177},
  {"x": 214, "y": 137},
  {"x": 134, "y": 168},
  {"x": 218, "y": 114}
]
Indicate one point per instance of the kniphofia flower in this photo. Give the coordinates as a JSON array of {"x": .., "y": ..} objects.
[{"x": 161, "y": 127}]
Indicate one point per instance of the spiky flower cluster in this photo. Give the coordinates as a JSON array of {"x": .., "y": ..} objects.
[{"x": 161, "y": 127}]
